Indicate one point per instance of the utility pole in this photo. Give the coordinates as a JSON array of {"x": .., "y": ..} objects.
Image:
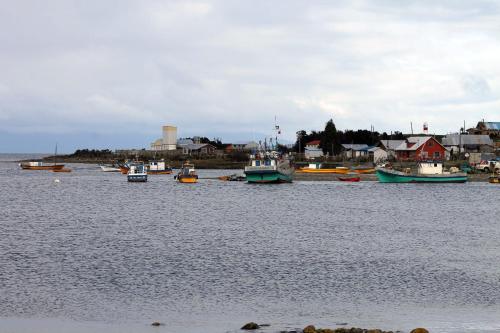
[{"x": 299, "y": 139}]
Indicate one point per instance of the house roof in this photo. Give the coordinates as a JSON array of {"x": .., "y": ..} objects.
[
  {"x": 457, "y": 139},
  {"x": 313, "y": 143},
  {"x": 183, "y": 142},
  {"x": 374, "y": 149},
  {"x": 355, "y": 146},
  {"x": 417, "y": 141},
  {"x": 197, "y": 146},
  {"x": 391, "y": 144}
]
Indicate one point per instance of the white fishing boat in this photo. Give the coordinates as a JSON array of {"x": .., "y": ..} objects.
[
  {"x": 137, "y": 173},
  {"x": 109, "y": 168}
]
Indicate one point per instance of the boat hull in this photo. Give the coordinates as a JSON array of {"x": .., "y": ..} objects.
[
  {"x": 62, "y": 170},
  {"x": 390, "y": 176},
  {"x": 266, "y": 177},
  {"x": 364, "y": 171},
  {"x": 43, "y": 167},
  {"x": 494, "y": 180},
  {"x": 334, "y": 170},
  {"x": 187, "y": 179},
  {"x": 109, "y": 169},
  {"x": 159, "y": 172},
  {"x": 137, "y": 178},
  {"x": 124, "y": 170}
]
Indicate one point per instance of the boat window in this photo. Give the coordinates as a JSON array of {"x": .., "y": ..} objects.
[
  {"x": 257, "y": 163},
  {"x": 435, "y": 164},
  {"x": 268, "y": 162}
]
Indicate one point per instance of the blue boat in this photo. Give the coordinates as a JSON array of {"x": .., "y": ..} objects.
[{"x": 137, "y": 173}]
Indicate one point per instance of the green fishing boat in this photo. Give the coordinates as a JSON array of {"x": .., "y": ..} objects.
[
  {"x": 428, "y": 172},
  {"x": 269, "y": 168}
]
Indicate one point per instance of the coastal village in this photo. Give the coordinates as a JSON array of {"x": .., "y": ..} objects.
[
  {"x": 319, "y": 155},
  {"x": 476, "y": 144}
]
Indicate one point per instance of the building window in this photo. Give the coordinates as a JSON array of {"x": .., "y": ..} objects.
[
  {"x": 437, "y": 154},
  {"x": 430, "y": 144}
]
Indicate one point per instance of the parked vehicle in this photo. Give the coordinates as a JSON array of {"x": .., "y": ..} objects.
[{"x": 489, "y": 166}]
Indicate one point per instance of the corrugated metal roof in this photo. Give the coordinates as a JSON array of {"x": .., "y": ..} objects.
[
  {"x": 416, "y": 140},
  {"x": 392, "y": 144},
  {"x": 355, "y": 146},
  {"x": 196, "y": 146},
  {"x": 492, "y": 125},
  {"x": 468, "y": 140}
]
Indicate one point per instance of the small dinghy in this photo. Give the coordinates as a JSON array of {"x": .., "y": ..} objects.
[{"x": 349, "y": 179}]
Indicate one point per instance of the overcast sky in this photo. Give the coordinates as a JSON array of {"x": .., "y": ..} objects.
[{"x": 110, "y": 73}]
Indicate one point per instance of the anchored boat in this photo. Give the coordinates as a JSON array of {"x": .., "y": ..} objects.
[
  {"x": 37, "y": 165},
  {"x": 109, "y": 168},
  {"x": 158, "y": 168},
  {"x": 187, "y": 174},
  {"x": 269, "y": 167},
  {"x": 428, "y": 172},
  {"x": 494, "y": 180},
  {"x": 318, "y": 168},
  {"x": 40, "y": 166},
  {"x": 137, "y": 173}
]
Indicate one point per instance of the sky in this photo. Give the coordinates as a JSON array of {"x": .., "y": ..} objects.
[{"x": 109, "y": 74}]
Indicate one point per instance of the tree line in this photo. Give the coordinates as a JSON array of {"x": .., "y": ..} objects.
[{"x": 331, "y": 138}]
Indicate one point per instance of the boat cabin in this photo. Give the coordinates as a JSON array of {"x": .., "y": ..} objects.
[
  {"x": 314, "y": 166},
  {"x": 157, "y": 165},
  {"x": 430, "y": 168},
  {"x": 34, "y": 164},
  {"x": 187, "y": 169},
  {"x": 266, "y": 162},
  {"x": 137, "y": 169}
]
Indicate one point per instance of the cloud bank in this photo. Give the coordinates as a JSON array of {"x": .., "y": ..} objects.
[{"x": 121, "y": 69}]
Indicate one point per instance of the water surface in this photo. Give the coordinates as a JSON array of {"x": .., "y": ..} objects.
[{"x": 93, "y": 253}]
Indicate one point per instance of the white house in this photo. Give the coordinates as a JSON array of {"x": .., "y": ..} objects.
[{"x": 312, "y": 149}]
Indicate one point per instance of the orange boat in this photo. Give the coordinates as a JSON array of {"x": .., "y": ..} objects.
[
  {"x": 187, "y": 174},
  {"x": 40, "y": 166},
  {"x": 316, "y": 168},
  {"x": 124, "y": 169}
]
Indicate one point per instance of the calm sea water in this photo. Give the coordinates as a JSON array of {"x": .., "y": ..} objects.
[{"x": 93, "y": 253}]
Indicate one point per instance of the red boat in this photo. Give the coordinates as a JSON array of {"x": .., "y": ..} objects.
[{"x": 349, "y": 179}]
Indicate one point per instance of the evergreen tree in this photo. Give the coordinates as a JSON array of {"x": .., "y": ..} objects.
[{"x": 328, "y": 139}]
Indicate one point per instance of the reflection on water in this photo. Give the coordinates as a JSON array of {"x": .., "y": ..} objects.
[{"x": 99, "y": 254}]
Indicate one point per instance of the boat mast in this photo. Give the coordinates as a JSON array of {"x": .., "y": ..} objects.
[{"x": 55, "y": 154}]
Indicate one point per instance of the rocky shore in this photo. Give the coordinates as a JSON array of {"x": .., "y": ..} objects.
[{"x": 312, "y": 329}]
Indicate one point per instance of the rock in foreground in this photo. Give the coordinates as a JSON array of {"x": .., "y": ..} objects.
[
  {"x": 419, "y": 330},
  {"x": 250, "y": 326}
]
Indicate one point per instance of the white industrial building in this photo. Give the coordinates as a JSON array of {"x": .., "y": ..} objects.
[{"x": 168, "y": 141}]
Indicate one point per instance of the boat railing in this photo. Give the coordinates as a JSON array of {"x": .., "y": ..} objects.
[{"x": 261, "y": 167}]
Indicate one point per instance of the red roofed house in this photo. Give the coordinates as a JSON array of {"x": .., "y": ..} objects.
[
  {"x": 420, "y": 148},
  {"x": 312, "y": 149}
]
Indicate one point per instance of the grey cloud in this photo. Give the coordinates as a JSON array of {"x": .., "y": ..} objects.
[{"x": 225, "y": 67}]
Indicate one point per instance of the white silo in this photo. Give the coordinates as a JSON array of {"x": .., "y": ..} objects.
[{"x": 169, "y": 137}]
